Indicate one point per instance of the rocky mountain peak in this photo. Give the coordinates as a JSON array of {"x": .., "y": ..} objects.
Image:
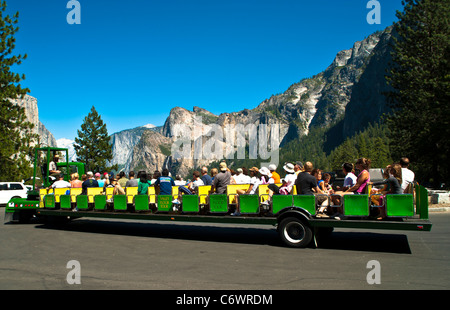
[
  {"x": 316, "y": 101},
  {"x": 30, "y": 104}
]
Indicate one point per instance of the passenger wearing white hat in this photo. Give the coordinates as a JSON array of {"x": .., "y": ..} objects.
[
  {"x": 287, "y": 183},
  {"x": 266, "y": 175}
]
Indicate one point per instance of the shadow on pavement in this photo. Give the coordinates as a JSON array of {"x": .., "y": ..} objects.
[{"x": 266, "y": 235}]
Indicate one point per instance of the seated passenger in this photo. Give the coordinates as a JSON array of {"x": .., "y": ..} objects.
[
  {"x": 221, "y": 180},
  {"x": 52, "y": 168},
  {"x": 143, "y": 183},
  {"x": 192, "y": 187},
  {"x": 255, "y": 181},
  {"x": 326, "y": 183},
  {"x": 266, "y": 176},
  {"x": 213, "y": 173},
  {"x": 241, "y": 177},
  {"x": 322, "y": 201},
  {"x": 306, "y": 183},
  {"x": 275, "y": 176},
  {"x": 156, "y": 175},
  {"x": 287, "y": 183},
  {"x": 363, "y": 165},
  {"x": 376, "y": 193},
  {"x": 179, "y": 180},
  {"x": 75, "y": 182},
  {"x": 132, "y": 182},
  {"x": 206, "y": 178},
  {"x": 350, "y": 177},
  {"x": 349, "y": 181},
  {"x": 60, "y": 183},
  {"x": 118, "y": 189},
  {"x": 98, "y": 178},
  {"x": 407, "y": 175},
  {"x": 395, "y": 185},
  {"x": 123, "y": 179},
  {"x": 89, "y": 182},
  {"x": 164, "y": 183}
]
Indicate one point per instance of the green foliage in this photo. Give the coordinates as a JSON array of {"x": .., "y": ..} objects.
[
  {"x": 93, "y": 143},
  {"x": 371, "y": 143},
  {"x": 165, "y": 149},
  {"x": 307, "y": 148},
  {"x": 420, "y": 76},
  {"x": 16, "y": 135}
]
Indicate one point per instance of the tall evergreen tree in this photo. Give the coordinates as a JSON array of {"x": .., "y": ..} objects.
[
  {"x": 92, "y": 144},
  {"x": 16, "y": 135},
  {"x": 420, "y": 75}
]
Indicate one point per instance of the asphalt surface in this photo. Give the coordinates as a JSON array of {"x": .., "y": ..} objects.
[{"x": 120, "y": 254}]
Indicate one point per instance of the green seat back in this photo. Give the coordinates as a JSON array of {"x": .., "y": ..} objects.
[
  {"x": 49, "y": 201},
  {"x": 306, "y": 202},
  {"x": 190, "y": 204},
  {"x": 120, "y": 202},
  {"x": 400, "y": 205},
  {"x": 82, "y": 202},
  {"x": 356, "y": 205},
  {"x": 279, "y": 202},
  {"x": 100, "y": 202},
  {"x": 66, "y": 202},
  {"x": 141, "y": 202},
  {"x": 218, "y": 203},
  {"x": 249, "y": 204},
  {"x": 164, "y": 203}
]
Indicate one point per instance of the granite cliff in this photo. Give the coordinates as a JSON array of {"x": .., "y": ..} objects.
[{"x": 32, "y": 113}]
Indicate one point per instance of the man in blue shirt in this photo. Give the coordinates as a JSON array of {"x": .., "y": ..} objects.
[
  {"x": 165, "y": 183},
  {"x": 90, "y": 182},
  {"x": 207, "y": 180}
]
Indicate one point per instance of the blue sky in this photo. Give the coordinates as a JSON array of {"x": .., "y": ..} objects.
[{"x": 136, "y": 60}]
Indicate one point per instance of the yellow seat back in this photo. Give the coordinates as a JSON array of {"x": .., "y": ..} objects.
[
  {"x": 232, "y": 191},
  {"x": 109, "y": 192},
  {"x": 263, "y": 191},
  {"x": 58, "y": 192},
  {"x": 42, "y": 193},
  {"x": 203, "y": 193},
  {"x": 151, "y": 194},
  {"x": 74, "y": 192},
  {"x": 131, "y": 192},
  {"x": 175, "y": 191},
  {"x": 92, "y": 192}
]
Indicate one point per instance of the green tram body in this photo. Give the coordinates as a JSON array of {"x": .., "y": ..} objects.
[{"x": 294, "y": 215}]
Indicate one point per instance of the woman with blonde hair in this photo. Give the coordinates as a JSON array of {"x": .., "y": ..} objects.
[{"x": 75, "y": 181}]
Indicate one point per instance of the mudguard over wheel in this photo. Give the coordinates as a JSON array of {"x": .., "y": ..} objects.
[{"x": 295, "y": 232}]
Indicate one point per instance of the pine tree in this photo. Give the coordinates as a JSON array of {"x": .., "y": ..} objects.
[
  {"x": 16, "y": 135},
  {"x": 92, "y": 145},
  {"x": 420, "y": 76}
]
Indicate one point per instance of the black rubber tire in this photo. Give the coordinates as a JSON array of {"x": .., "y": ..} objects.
[{"x": 295, "y": 232}]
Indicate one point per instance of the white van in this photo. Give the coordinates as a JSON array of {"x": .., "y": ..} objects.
[{"x": 10, "y": 190}]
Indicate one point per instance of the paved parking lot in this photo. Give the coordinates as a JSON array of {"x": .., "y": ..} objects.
[{"x": 120, "y": 254}]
